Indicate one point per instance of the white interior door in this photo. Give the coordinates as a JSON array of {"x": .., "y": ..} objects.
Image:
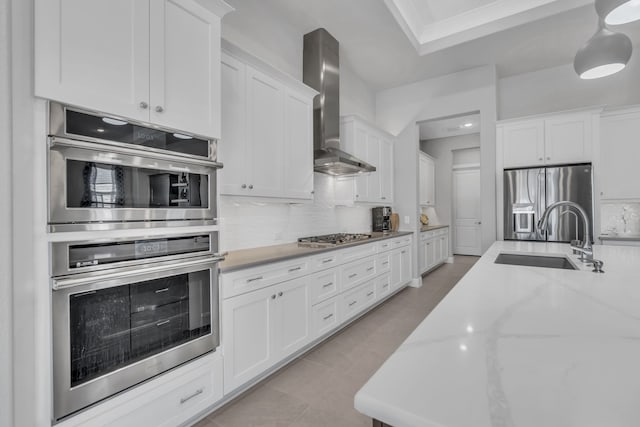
[{"x": 466, "y": 212}]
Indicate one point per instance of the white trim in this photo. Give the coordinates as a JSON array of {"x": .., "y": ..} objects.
[
  {"x": 463, "y": 166},
  {"x": 415, "y": 283},
  {"x": 594, "y": 109}
]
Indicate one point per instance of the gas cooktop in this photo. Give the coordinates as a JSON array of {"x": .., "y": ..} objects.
[{"x": 331, "y": 240}]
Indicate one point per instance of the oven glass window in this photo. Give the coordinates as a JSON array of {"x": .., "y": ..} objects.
[
  {"x": 114, "y": 327},
  {"x": 102, "y": 185},
  {"x": 83, "y": 124}
]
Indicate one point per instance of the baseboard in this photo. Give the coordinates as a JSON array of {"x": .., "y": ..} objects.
[
  {"x": 449, "y": 260},
  {"x": 416, "y": 283}
]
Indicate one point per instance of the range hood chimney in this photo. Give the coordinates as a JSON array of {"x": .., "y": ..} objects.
[{"x": 321, "y": 71}]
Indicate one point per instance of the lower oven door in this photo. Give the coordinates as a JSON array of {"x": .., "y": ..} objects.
[
  {"x": 115, "y": 330},
  {"x": 94, "y": 183}
]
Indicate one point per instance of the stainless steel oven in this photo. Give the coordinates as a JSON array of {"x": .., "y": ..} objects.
[
  {"x": 126, "y": 310},
  {"x": 107, "y": 173}
]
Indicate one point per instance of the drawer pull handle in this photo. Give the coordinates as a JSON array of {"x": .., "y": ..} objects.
[
  {"x": 370, "y": 268},
  {"x": 197, "y": 393},
  {"x": 385, "y": 263},
  {"x": 327, "y": 285},
  {"x": 327, "y": 260},
  {"x": 164, "y": 322},
  {"x": 159, "y": 291},
  {"x": 351, "y": 276},
  {"x": 328, "y": 317},
  {"x": 291, "y": 270},
  {"x": 385, "y": 286},
  {"x": 352, "y": 303},
  {"x": 254, "y": 279},
  {"x": 370, "y": 293},
  {"x": 403, "y": 252}
]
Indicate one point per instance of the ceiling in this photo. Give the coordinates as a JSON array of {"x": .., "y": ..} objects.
[
  {"x": 377, "y": 49},
  {"x": 451, "y": 126}
]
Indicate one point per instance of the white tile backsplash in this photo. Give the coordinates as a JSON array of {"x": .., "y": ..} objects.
[
  {"x": 620, "y": 218},
  {"x": 248, "y": 223}
]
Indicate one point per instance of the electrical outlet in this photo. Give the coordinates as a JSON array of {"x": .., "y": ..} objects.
[{"x": 407, "y": 220}]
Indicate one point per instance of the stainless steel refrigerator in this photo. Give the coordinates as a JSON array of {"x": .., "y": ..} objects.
[{"x": 527, "y": 193}]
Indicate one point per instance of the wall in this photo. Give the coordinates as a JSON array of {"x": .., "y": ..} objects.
[
  {"x": 442, "y": 150},
  {"x": 465, "y": 92},
  {"x": 247, "y": 223},
  {"x": 559, "y": 88},
  {"x": 620, "y": 218},
  {"x": 6, "y": 291}
]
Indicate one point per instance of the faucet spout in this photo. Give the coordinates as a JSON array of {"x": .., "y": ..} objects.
[{"x": 586, "y": 249}]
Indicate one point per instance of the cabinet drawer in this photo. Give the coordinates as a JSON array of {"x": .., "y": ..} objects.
[
  {"x": 355, "y": 301},
  {"x": 327, "y": 260},
  {"x": 240, "y": 282},
  {"x": 325, "y": 317},
  {"x": 426, "y": 235},
  {"x": 383, "y": 286},
  {"x": 323, "y": 285},
  {"x": 356, "y": 272},
  {"x": 358, "y": 252},
  {"x": 401, "y": 241},
  {"x": 383, "y": 263},
  {"x": 385, "y": 245}
]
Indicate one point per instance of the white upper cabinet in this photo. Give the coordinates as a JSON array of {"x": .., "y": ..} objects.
[
  {"x": 156, "y": 62},
  {"x": 267, "y": 130},
  {"x": 375, "y": 147},
  {"x": 427, "y": 184},
  {"x": 619, "y": 154},
  {"x": 552, "y": 140}
]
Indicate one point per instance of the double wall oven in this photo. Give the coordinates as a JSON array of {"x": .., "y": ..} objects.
[{"x": 125, "y": 309}]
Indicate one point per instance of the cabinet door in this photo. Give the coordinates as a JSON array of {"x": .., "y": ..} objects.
[
  {"x": 396, "y": 269},
  {"x": 232, "y": 148},
  {"x": 430, "y": 187},
  {"x": 405, "y": 265},
  {"x": 185, "y": 67},
  {"x": 422, "y": 185},
  {"x": 523, "y": 144},
  {"x": 619, "y": 171},
  {"x": 386, "y": 171},
  {"x": 431, "y": 252},
  {"x": 248, "y": 335},
  {"x": 94, "y": 54},
  {"x": 265, "y": 131},
  {"x": 293, "y": 321},
  {"x": 374, "y": 178},
  {"x": 444, "y": 248},
  {"x": 568, "y": 139},
  {"x": 360, "y": 150},
  {"x": 298, "y": 150}
]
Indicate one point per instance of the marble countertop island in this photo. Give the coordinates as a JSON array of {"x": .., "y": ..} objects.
[{"x": 515, "y": 346}]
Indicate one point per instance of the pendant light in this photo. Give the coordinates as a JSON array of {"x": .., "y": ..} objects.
[
  {"x": 604, "y": 54},
  {"x": 617, "y": 12}
]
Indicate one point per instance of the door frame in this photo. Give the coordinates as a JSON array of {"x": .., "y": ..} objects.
[{"x": 454, "y": 169}]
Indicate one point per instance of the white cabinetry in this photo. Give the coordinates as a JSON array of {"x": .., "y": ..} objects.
[
  {"x": 375, "y": 147},
  {"x": 433, "y": 249},
  {"x": 156, "y": 62},
  {"x": 427, "y": 184},
  {"x": 267, "y": 123},
  {"x": 557, "y": 139},
  {"x": 619, "y": 155}
]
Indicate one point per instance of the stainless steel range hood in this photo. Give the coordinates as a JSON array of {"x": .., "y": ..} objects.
[{"x": 321, "y": 71}]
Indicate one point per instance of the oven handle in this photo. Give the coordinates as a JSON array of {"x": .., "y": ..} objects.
[
  {"x": 90, "y": 278},
  {"x": 94, "y": 146}
]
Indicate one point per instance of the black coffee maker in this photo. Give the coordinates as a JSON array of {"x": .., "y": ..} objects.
[{"x": 381, "y": 218}]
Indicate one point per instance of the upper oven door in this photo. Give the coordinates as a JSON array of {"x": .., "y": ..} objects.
[{"x": 96, "y": 183}]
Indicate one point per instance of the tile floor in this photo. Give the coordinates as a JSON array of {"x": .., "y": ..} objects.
[{"x": 318, "y": 388}]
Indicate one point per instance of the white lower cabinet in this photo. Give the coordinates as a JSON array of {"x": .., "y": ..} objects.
[
  {"x": 383, "y": 285},
  {"x": 326, "y": 317},
  {"x": 262, "y": 327},
  {"x": 433, "y": 249},
  {"x": 356, "y": 300}
]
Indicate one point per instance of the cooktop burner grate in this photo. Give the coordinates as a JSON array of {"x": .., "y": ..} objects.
[{"x": 332, "y": 239}]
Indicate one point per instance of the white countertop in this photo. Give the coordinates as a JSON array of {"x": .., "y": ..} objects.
[{"x": 515, "y": 346}]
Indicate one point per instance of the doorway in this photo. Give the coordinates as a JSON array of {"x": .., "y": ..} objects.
[{"x": 467, "y": 214}]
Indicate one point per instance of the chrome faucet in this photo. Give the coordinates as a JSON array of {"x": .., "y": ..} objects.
[{"x": 586, "y": 249}]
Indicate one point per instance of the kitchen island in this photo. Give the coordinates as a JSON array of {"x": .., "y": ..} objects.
[{"x": 521, "y": 346}]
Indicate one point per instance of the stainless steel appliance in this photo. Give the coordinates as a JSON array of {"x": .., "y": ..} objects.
[
  {"x": 125, "y": 310},
  {"x": 321, "y": 71},
  {"x": 528, "y": 192},
  {"x": 381, "y": 218},
  {"x": 106, "y": 173},
  {"x": 329, "y": 240}
]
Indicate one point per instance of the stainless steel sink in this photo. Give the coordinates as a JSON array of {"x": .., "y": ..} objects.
[{"x": 535, "y": 261}]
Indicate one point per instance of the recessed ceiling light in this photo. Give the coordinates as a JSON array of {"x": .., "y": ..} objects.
[
  {"x": 114, "y": 122},
  {"x": 182, "y": 136},
  {"x": 100, "y": 130},
  {"x": 467, "y": 125}
]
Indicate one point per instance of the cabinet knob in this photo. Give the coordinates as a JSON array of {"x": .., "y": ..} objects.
[
  {"x": 273, "y": 296},
  {"x": 280, "y": 294},
  {"x": 313, "y": 192},
  {"x": 548, "y": 158},
  {"x": 159, "y": 109},
  {"x": 243, "y": 186},
  {"x": 540, "y": 158},
  {"x": 250, "y": 186},
  {"x": 144, "y": 105},
  {"x": 383, "y": 198}
]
